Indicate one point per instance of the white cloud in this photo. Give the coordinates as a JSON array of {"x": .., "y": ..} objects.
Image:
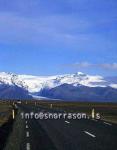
[{"x": 109, "y": 66}]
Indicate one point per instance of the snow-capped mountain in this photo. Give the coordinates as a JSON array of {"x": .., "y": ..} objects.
[
  {"x": 12, "y": 87},
  {"x": 84, "y": 85},
  {"x": 12, "y": 79},
  {"x": 36, "y": 83}
]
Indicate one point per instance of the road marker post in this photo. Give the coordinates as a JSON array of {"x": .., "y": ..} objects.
[
  {"x": 13, "y": 114},
  {"x": 93, "y": 113},
  {"x": 51, "y": 106}
]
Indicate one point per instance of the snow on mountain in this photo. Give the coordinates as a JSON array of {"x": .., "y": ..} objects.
[
  {"x": 11, "y": 79},
  {"x": 113, "y": 86},
  {"x": 36, "y": 83}
]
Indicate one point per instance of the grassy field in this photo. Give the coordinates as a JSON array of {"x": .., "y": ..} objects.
[
  {"x": 5, "y": 112},
  {"x": 108, "y": 111}
]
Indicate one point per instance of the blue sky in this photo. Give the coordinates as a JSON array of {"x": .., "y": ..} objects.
[{"x": 47, "y": 37}]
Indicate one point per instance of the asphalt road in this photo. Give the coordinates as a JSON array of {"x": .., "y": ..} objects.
[
  {"x": 84, "y": 134},
  {"x": 5, "y": 130}
]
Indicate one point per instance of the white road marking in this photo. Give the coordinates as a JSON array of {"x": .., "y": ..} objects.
[
  {"x": 94, "y": 120},
  {"x": 26, "y": 122},
  {"x": 67, "y": 122},
  {"x": 92, "y": 135},
  {"x": 27, "y": 146},
  {"x": 26, "y": 126},
  {"x": 27, "y": 134},
  {"x": 108, "y": 123}
]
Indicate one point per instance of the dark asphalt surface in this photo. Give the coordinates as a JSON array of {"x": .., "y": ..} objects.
[
  {"x": 84, "y": 134},
  {"x": 5, "y": 130}
]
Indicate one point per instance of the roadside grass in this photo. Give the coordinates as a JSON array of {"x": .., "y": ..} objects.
[
  {"x": 5, "y": 112},
  {"x": 107, "y": 111}
]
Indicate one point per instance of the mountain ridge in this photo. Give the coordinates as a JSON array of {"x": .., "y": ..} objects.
[{"x": 37, "y": 85}]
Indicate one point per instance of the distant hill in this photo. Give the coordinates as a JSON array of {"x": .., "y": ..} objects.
[
  {"x": 81, "y": 93},
  {"x": 13, "y": 92}
]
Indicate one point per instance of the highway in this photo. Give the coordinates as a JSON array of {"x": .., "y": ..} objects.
[{"x": 84, "y": 134}]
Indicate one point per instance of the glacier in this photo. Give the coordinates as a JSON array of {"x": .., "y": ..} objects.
[{"x": 36, "y": 83}]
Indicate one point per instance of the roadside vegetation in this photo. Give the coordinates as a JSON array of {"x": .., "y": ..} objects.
[
  {"x": 107, "y": 111},
  {"x": 5, "y": 112}
]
